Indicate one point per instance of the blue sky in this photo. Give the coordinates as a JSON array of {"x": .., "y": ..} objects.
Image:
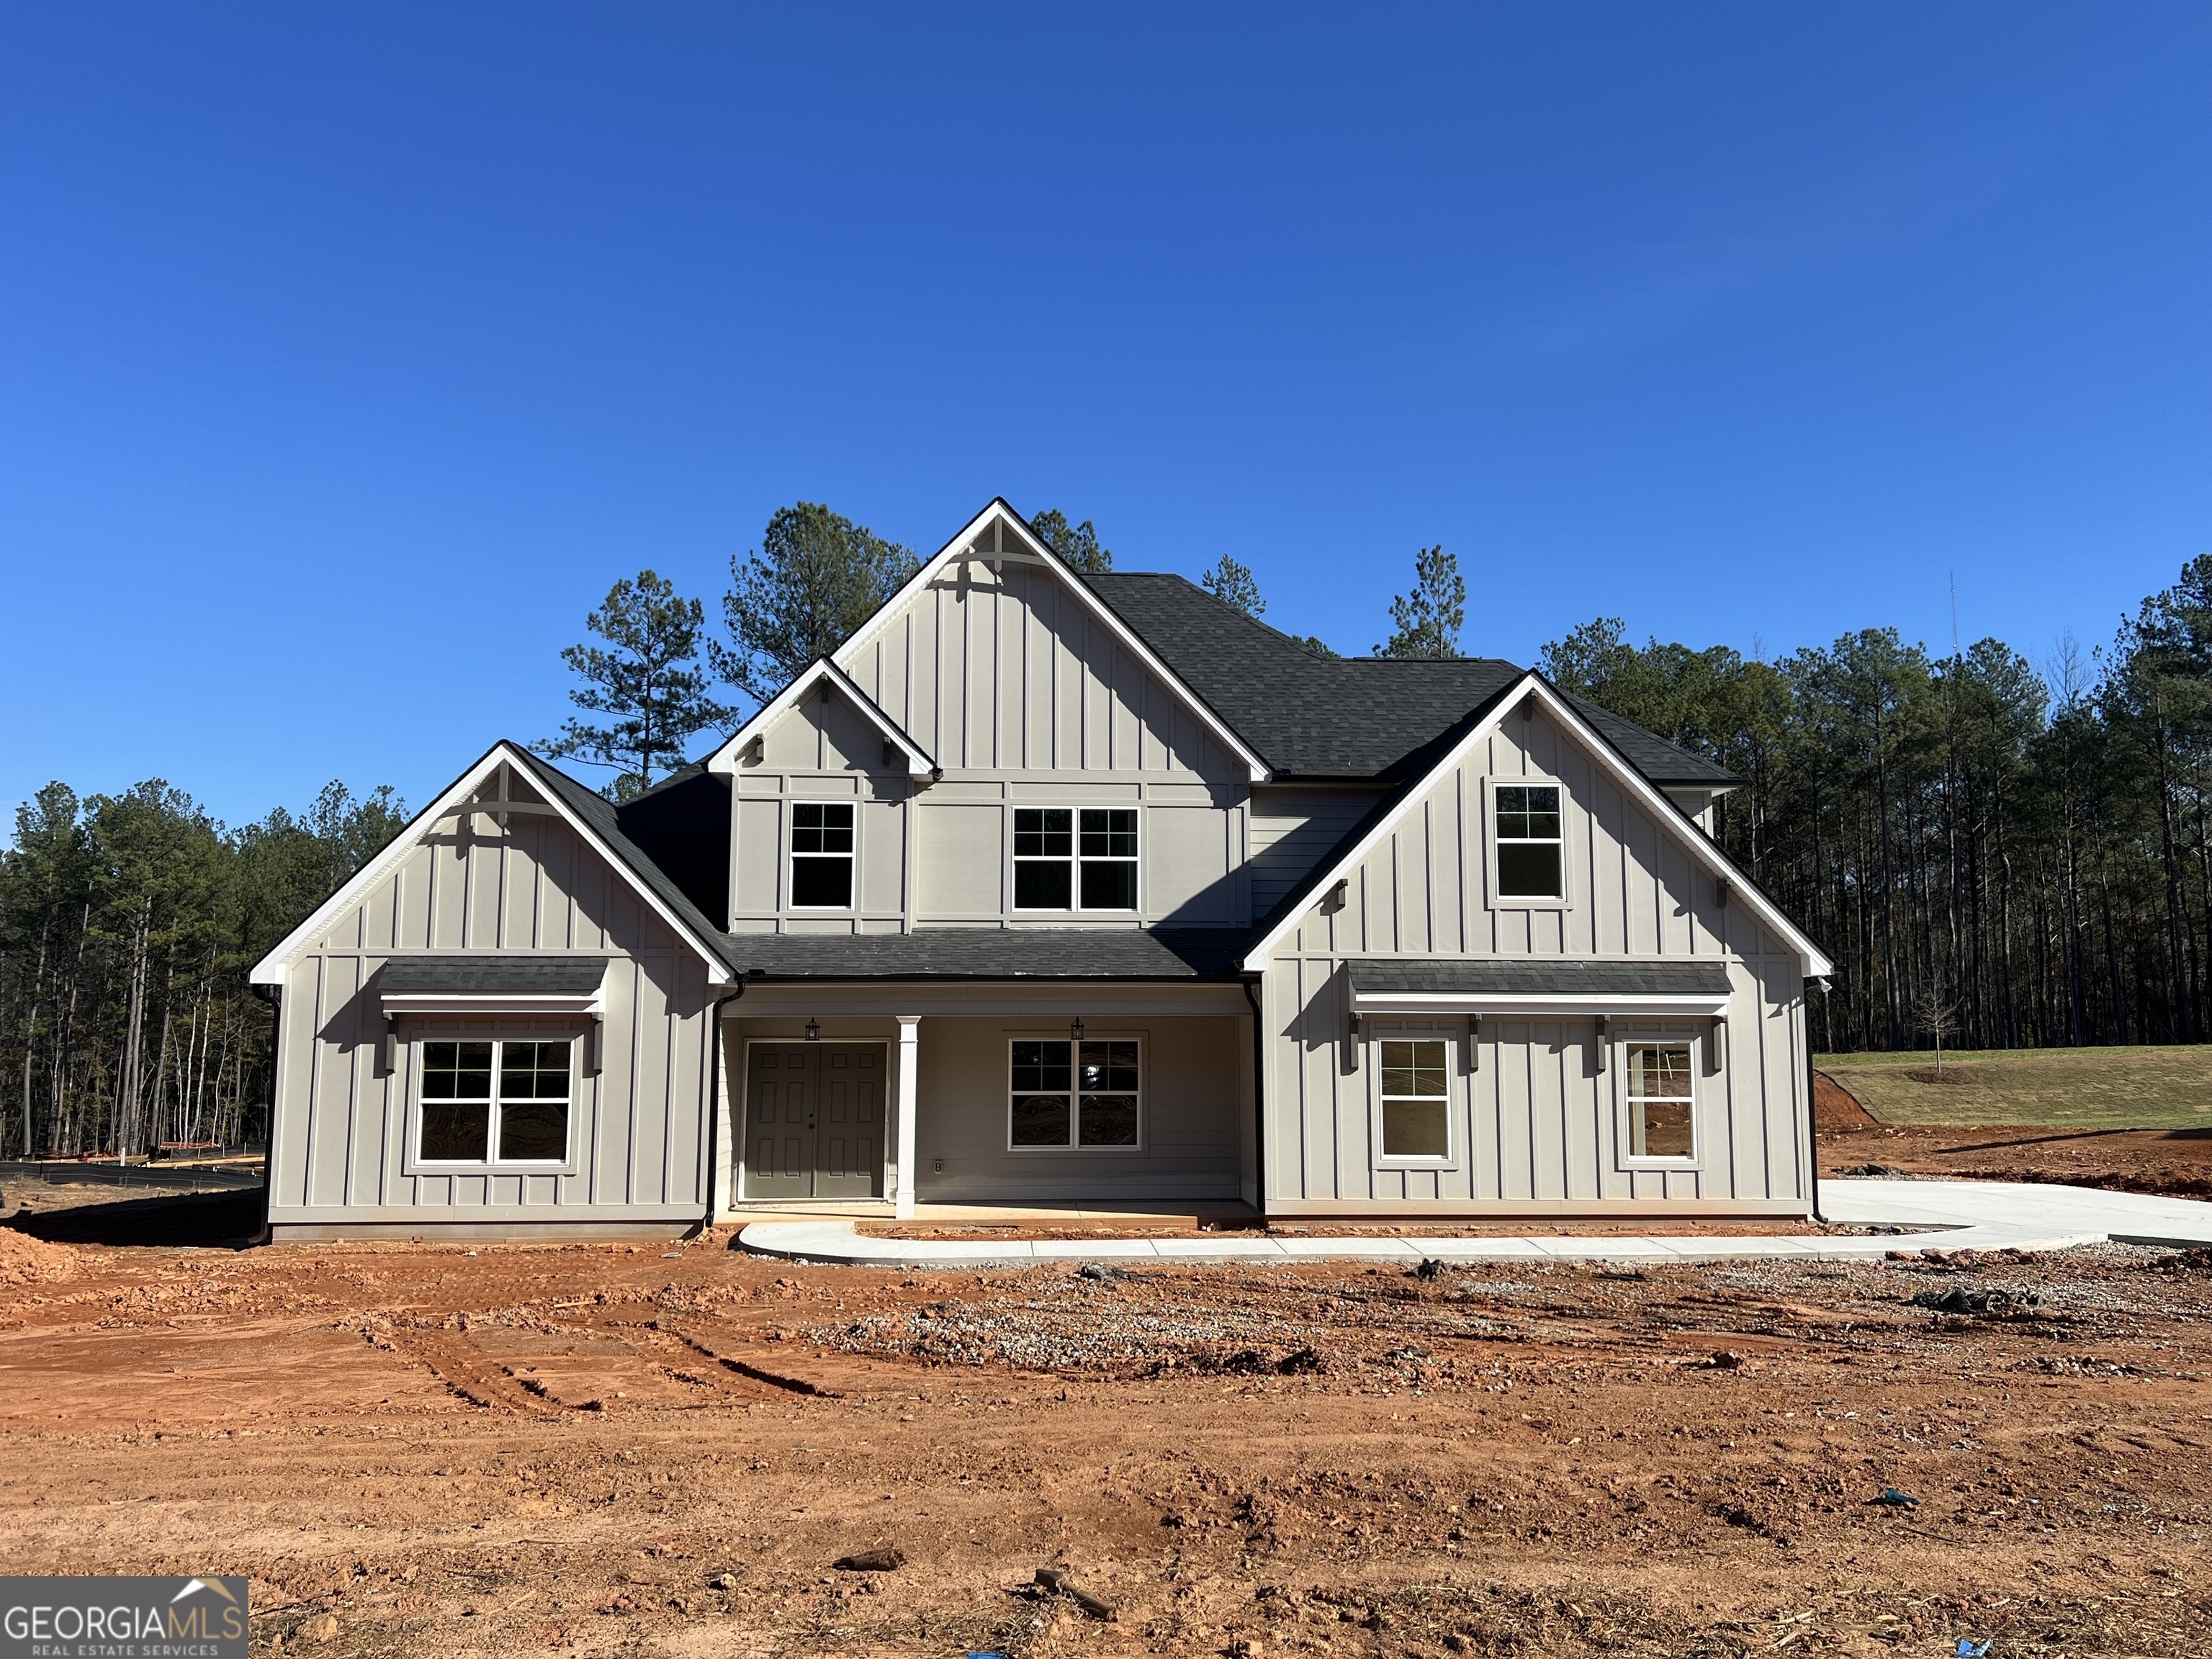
[{"x": 347, "y": 355}]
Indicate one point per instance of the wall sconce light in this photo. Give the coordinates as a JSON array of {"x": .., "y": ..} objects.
[
  {"x": 1075, "y": 1030},
  {"x": 814, "y": 1030}
]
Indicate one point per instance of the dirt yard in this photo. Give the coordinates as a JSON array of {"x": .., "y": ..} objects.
[
  {"x": 2174, "y": 1162},
  {"x": 419, "y": 1450}
]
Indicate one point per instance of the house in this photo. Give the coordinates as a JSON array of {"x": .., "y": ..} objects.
[{"x": 1054, "y": 888}]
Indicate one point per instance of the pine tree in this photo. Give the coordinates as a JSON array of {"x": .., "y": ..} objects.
[
  {"x": 1077, "y": 543},
  {"x": 645, "y": 679},
  {"x": 1232, "y": 584},
  {"x": 1426, "y": 622},
  {"x": 816, "y": 577}
]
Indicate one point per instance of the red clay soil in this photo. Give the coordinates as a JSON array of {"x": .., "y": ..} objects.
[
  {"x": 428, "y": 1450},
  {"x": 2177, "y": 1163},
  {"x": 1836, "y": 1108}
]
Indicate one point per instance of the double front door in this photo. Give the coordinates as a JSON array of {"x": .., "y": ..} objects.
[{"x": 814, "y": 1120}]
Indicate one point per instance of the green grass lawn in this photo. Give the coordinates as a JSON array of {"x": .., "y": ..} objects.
[{"x": 2148, "y": 1088}]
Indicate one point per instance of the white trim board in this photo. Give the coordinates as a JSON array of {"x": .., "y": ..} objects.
[
  {"x": 1506, "y": 1003},
  {"x": 1652, "y": 797},
  {"x": 579, "y": 1004},
  {"x": 724, "y": 759},
  {"x": 920, "y": 766},
  {"x": 271, "y": 969}
]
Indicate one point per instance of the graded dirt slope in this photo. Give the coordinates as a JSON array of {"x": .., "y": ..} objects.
[{"x": 420, "y": 1451}]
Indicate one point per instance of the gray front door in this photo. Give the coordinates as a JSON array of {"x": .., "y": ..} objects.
[
  {"x": 814, "y": 1121},
  {"x": 849, "y": 1157}
]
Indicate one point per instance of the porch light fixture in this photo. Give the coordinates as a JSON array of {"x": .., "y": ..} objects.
[
  {"x": 814, "y": 1030},
  {"x": 1075, "y": 1030}
]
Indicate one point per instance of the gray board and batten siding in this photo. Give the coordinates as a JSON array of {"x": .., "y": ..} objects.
[
  {"x": 1538, "y": 1120},
  {"x": 341, "y": 1157},
  {"x": 1022, "y": 695}
]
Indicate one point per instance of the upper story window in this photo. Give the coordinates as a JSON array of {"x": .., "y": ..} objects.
[
  {"x": 1531, "y": 850},
  {"x": 822, "y": 855},
  {"x": 493, "y": 1102},
  {"x": 1072, "y": 858}
]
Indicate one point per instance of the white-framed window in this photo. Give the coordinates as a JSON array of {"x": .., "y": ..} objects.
[
  {"x": 1659, "y": 1077},
  {"x": 500, "y": 1101},
  {"x": 1527, "y": 843},
  {"x": 1413, "y": 1077},
  {"x": 822, "y": 855},
  {"x": 1075, "y": 1097},
  {"x": 1071, "y": 858}
]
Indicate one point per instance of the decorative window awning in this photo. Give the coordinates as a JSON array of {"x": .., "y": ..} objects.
[
  {"x": 1499, "y": 985},
  {"x": 449, "y": 983}
]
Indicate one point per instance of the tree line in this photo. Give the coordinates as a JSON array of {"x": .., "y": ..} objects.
[
  {"x": 2021, "y": 857},
  {"x": 127, "y": 925}
]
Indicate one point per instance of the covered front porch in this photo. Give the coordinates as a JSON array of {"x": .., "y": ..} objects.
[{"x": 1031, "y": 1103}]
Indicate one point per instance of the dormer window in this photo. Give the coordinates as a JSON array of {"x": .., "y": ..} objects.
[
  {"x": 1528, "y": 845},
  {"x": 1072, "y": 858},
  {"x": 821, "y": 856}
]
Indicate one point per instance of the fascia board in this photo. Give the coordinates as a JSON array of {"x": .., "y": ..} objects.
[
  {"x": 1440, "y": 1002},
  {"x": 271, "y": 969},
  {"x": 1816, "y": 963},
  {"x": 724, "y": 760},
  {"x": 919, "y": 763},
  {"x": 707, "y": 952},
  {"x": 1257, "y": 769}
]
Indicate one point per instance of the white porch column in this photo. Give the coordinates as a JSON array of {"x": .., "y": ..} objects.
[{"x": 910, "y": 1058}]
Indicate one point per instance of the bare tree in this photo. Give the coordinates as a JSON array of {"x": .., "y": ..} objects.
[{"x": 1932, "y": 1012}]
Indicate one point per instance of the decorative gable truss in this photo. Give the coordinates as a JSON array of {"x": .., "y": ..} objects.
[
  {"x": 826, "y": 679},
  {"x": 490, "y": 788},
  {"x": 1673, "y": 823},
  {"x": 995, "y": 539}
]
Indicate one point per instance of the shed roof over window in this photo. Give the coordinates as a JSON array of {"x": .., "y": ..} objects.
[
  {"x": 511, "y": 983},
  {"x": 1502, "y": 985}
]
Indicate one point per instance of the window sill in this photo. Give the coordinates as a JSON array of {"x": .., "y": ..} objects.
[
  {"x": 1516, "y": 902},
  {"x": 1084, "y": 1151},
  {"x": 415, "y": 1166}
]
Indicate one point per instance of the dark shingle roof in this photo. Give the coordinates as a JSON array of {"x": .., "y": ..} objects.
[
  {"x": 1343, "y": 717},
  {"x": 452, "y": 971},
  {"x": 1493, "y": 977},
  {"x": 990, "y": 953}
]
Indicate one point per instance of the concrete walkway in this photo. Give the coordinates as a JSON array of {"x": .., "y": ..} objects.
[{"x": 1952, "y": 1215}]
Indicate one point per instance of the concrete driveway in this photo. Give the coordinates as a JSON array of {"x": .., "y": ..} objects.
[{"x": 1952, "y": 1215}]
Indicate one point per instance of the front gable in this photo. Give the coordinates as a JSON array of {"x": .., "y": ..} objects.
[
  {"x": 998, "y": 658},
  {"x": 1641, "y": 880},
  {"x": 504, "y": 859}
]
